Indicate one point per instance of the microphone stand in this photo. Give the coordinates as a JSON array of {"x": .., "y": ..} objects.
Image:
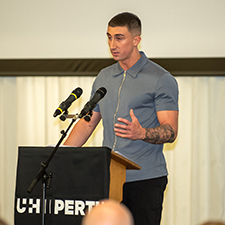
[{"x": 42, "y": 174}]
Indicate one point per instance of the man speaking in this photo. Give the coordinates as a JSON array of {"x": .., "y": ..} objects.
[{"x": 139, "y": 114}]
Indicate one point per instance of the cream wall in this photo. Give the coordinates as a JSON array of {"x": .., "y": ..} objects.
[{"x": 76, "y": 29}]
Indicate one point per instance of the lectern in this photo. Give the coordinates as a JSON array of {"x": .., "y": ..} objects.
[
  {"x": 80, "y": 178},
  {"x": 119, "y": 165}
]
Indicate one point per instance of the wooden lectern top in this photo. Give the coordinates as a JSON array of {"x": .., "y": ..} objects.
[{"x": 130, "y": 165}]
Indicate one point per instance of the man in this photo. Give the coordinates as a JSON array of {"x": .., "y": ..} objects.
[
  {"x": 109, "y": 213},
  {"x": 139, "y": 114}
]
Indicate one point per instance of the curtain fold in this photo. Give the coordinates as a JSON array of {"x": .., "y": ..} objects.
[
  {"x": 8, "y": 145},
  {"x": 196, "y": 161}
]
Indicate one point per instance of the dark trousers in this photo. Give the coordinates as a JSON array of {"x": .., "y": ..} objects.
[{"x": 144, "y": 199}]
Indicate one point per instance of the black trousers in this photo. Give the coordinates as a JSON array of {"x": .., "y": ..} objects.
[{"x": 144, "y": 199}]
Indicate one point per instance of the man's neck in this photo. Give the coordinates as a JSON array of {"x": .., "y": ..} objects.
[{"x": 127, "y": 64}]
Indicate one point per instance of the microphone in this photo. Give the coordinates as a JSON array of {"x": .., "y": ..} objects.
[
  {"x": 99, "y": 94},
  {"x": 75, "y": 94}
]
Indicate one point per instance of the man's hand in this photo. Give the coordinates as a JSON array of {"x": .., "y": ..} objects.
[
  {"x": 131, "y": 130},
  {"x": 164, "y": 133}
]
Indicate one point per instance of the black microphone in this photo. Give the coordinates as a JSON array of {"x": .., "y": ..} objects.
[
  {"x": 99, "y": 94},
  {"x": 75, "y": 94}
]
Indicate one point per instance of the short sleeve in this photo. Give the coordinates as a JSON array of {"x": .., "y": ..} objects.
[
  {"x": 94, "y": 89},
  {"x": 166, "y": 93}
]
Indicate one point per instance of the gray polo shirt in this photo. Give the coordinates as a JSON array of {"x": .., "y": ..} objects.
[{"x": 146, "y": 88}]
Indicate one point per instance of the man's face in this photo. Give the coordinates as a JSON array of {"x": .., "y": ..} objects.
[{"x": 121, "y": 43}]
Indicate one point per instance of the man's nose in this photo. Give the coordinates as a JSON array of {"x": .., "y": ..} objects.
[{"x": 112, "y": 44}]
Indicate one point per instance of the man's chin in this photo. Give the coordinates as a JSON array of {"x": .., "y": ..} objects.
[{"x": 116, "y": 58}]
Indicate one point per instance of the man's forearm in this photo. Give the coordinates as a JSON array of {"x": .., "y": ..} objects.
[{"x": 159, "y": 135}]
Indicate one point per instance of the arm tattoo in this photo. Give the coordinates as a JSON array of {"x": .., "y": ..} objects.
[{"x": 159, "y": 135}]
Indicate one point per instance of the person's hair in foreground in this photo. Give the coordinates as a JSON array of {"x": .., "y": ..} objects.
[
  {"x": 109, "y": 212},
  {"x": 2, "y": 222},
  {"x": 213, "y": 223}
]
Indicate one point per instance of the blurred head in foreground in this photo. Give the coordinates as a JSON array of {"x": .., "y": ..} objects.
[
  {"x": 109, "y": 213},
  {"x": 213, "y": 223},
  {"x": 2, "y": 222}
]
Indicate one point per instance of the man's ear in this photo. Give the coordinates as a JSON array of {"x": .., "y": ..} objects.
[{"x": 136, "y": 40}]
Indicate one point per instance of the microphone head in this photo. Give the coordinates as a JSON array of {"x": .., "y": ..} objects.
[
  {"x": 102, "y": 91},
  {"x": 89, "y": 106},
  {"x": 78, "y": 92},
  {"x": 75, "y": 94}
]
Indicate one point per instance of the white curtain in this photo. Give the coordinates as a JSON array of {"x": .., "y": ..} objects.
[{"x": 196, "y": 161}]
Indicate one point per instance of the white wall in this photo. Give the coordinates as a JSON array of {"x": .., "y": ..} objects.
[{"x": 76, "y": 29}]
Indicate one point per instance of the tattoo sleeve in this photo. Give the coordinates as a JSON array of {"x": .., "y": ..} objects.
[{"x": 159, "y": 135}]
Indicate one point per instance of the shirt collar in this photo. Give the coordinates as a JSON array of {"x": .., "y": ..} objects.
[{"x": 134, "y": 70}]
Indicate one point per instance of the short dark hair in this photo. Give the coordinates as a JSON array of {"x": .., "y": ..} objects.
[{"x": 130, "y": 20}]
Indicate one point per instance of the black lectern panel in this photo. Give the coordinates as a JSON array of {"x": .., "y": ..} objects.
[{"x": 80, "y": 178}]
